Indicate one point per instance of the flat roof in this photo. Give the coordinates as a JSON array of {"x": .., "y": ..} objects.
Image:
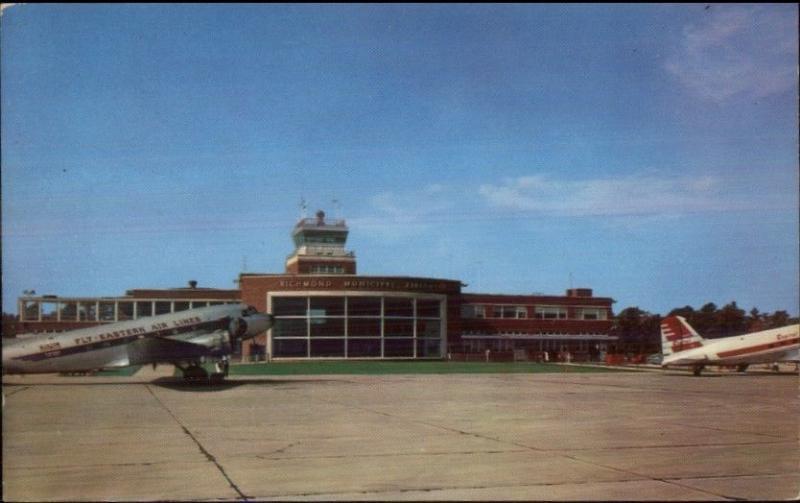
[
  {"x": 349, "y": 276},
  {"x": 522, "y": 298}
]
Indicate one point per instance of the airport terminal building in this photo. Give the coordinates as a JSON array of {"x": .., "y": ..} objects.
[{"x": 324, "y": 310}]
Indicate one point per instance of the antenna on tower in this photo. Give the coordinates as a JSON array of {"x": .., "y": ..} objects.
[
  {"x": 337, "y": 209},
  {"x": 303, "y": 207},
  {"x": 570, "y": 280},
  {"x": 244, "y": 263}
]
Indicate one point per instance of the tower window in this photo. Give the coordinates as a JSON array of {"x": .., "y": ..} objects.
[{"x": 326, "y": 269}]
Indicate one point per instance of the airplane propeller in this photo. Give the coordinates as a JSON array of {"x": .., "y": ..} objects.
[{"x": 237, "y": 327}]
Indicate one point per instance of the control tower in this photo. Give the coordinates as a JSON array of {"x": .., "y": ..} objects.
[{"x": 319, "y": 248}]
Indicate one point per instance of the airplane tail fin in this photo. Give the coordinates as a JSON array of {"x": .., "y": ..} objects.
[{"x": 677, "y": 335}]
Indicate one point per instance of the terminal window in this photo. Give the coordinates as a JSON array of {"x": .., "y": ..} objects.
[
  {"x": 510, "y": 312},
  {"x": 356, "y": 327},
  {"x": 591, "y": 314},
  {"x": 473, "y": 311},
  {"x": 125, "y": 311},
  {"x": 551, "y": 313}
]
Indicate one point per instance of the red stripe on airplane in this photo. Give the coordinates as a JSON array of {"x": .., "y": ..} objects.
[
  {"x": 674, "y": 325},
  {"x": 760, "y": 347},
  {"x": 683, "y": 347},
  {"x": 678, "y": 337}
]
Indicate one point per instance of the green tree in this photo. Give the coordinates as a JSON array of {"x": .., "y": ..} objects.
[
  {"x": 637, "y": 329},
  {"x": 778, "y": 319},
  {"x": 755, "y": 321},
  {"x": 711, "y": 321},
  {"x": 687, "y": 312},
  {"x": 705, "y": 321},
  {"x": 651, "y": 331},
  {"x": 731, "y": 320},
  {"x": 630, "y": 324}
]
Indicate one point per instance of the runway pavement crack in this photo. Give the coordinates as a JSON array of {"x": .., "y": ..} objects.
[
  {"x": 39, "y": 467},
  {"x": 647, "y": 477},
  {"x": 684, "y": 486},
  {"x": 324, "y": 494},
  {"x": 211, "y": 458},
  {"x": 639, "y": 476},
  {"x": 737, "y": 475},
  {"x": 661, "y": 388},
  {"x": 432, "y": 425},
  {"x": 16, "y": 391},
  {"x": 388, "y": 455},
  {"x": 727, "y": 430},
  {"x": 282, "y": 450},
  {"x": 661, "y": 446}
]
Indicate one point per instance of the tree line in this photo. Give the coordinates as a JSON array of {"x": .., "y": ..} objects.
[{"x": 633, "y": 325}]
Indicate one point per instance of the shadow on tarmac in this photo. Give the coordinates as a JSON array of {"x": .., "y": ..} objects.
[{"x": 178, "y": 384}]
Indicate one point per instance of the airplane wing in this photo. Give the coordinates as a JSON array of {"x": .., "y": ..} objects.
[
  {"x": 185, "y": 338},
  {"x": 161, "y": 349}
]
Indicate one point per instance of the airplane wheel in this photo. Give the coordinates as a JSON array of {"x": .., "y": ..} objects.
[
  {"x": 742, "y": 367},
  {"x": 195, "y": 373},
  {"x": 697, "y": 370}
]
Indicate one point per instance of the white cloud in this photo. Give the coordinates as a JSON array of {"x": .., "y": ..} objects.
[
  {"x": 622, "y": 196},
  {"x": 398, "y": 215},
  {"x": 630, "y": 200},
  {"x": 748, "y": 51}
]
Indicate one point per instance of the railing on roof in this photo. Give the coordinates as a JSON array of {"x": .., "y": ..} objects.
[
  {"x": 316, "y": 222},
  {"x": 336, "y": 251}
]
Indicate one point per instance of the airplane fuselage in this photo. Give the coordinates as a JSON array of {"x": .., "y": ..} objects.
[
  {"x": 202, "y": 332},
  {"x": 778, "y": 344}
]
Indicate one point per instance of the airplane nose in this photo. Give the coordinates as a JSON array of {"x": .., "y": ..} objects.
[{"x": 259, "y": 323}]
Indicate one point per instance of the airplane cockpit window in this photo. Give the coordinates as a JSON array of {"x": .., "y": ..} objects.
[{"x": 249, "y": 311}]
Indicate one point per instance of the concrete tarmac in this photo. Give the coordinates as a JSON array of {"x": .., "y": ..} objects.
[{"x": 605, "y": 436}]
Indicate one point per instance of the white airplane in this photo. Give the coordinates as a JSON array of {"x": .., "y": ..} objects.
[
  {"x": 187, "y": 339},
  {"x": 681, "y": 345}
]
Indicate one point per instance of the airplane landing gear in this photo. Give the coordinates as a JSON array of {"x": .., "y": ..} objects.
[
  {"x": 742, "y": 367},
  {"x": 201, "y": 373},
  {"x": 194, "y": 373},
  {"x": 697, "y": 369}
]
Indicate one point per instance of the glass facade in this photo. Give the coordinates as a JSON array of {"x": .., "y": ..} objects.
[
  {"x": 357, "y": 326},
  {"x": 105, "y": 310}
]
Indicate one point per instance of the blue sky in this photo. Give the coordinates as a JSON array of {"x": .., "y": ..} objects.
[{"x": 646, "y": 151}]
